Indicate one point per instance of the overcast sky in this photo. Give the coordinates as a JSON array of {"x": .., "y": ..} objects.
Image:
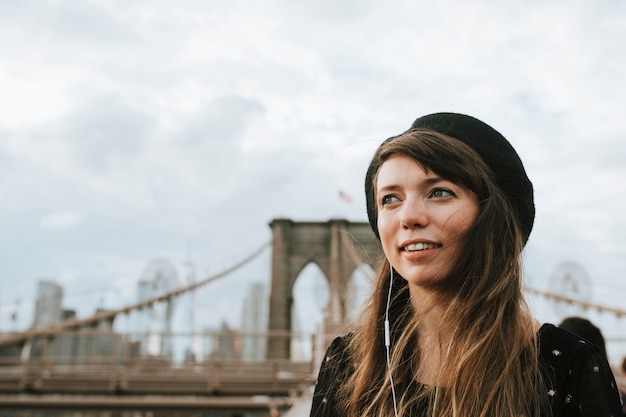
[{"x": 131, "y": 130}]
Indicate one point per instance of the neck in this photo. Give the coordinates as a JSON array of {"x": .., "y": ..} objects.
[
  {"x": 433, "y": 356},
  {"x": 434, "y": 340},
  {"x": 428, "y": 307}
]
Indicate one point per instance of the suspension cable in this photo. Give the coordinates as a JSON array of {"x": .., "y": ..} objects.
[{"x": 110, "y": 315}]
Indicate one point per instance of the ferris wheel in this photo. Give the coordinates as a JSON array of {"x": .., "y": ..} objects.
[
  {"x": 570, "y": 280},
  {"x": 158, "y": 278}
]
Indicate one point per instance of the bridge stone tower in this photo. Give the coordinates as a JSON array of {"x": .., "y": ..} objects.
[{"x": 337, "y": 246}]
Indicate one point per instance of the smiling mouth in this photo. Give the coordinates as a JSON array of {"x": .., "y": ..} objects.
[{"x": 416, "y": 247}]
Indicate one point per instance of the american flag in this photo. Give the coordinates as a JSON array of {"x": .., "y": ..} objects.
[{"x": 345, "y": 197}]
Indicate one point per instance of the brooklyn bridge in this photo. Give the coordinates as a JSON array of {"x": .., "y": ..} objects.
[{"x": 89, "y": 367}]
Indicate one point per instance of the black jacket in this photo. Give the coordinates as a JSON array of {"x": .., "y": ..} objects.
[{"x": 580, "y": 381}]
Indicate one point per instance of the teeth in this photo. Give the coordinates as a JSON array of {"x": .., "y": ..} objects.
[{"x": 420, "y": 246}]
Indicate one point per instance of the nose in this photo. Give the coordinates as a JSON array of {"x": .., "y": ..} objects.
[{"x": 414, "y": 214}]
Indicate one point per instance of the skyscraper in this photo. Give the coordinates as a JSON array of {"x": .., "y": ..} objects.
[
  {"x": 254, "y": 320},
  {"x": 48, "y": 305}
]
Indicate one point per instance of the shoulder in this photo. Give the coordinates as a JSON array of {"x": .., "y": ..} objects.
[
  {"x": 341, "y": 342},
  {"x": 334, "y": 370},
  {"x": 558, "y": 344},
  {"x": 576, "y": 373},
  {"x": 337, "y": 352},
  {"x": 336, "y": 365}
]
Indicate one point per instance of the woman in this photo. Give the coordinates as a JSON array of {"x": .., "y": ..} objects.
[{"x": 447, "y": 331}]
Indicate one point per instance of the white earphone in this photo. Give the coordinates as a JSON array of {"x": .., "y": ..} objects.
[{"x": 388, "y": 341}]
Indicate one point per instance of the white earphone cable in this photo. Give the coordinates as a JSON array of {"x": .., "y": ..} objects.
[{"x": 388, "y": 342}]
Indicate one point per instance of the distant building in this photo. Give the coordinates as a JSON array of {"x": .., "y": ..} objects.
[
  {"x": 68, "y": 314},
  {"x": 48, "y": 304},
  {"x": 82, "y": 344},
  {"x": 254, "y": 321},
  {"x": 227, "y": 345}
]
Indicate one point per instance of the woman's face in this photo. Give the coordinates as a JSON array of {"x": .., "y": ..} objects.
[{"x": 422, "y": 219}]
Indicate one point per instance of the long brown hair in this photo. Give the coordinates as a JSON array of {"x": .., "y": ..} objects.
[{"x": 491, "y": 364}]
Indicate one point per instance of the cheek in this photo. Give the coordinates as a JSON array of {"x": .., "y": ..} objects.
[
  {"x": 386, "y": 233},
  {"x": 460, "y": 222},
  {"x": 385, "y": 226}
]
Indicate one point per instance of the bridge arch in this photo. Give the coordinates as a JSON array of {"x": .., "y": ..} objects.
[{"x": 337, "y": 247}]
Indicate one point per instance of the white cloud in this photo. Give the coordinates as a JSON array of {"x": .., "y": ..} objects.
[{"x": 62, "y": 220}]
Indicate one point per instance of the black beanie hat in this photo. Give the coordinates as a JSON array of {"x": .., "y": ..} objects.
[{"x": 495, "y": 151}]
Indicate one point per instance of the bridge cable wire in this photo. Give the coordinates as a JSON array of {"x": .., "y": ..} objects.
[
  {"x": 619, "y": 313},
  {"x": 354, "y": 256},
  {"x": 110, "y": 315}
]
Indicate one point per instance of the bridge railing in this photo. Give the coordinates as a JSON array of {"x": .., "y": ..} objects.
[{"x": 217, "y": 363}]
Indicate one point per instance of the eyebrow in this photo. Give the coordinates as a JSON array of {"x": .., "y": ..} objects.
[{"x": 428, "y": 182}]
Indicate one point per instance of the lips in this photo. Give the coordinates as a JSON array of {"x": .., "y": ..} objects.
[{"x": 416, "y": 247}]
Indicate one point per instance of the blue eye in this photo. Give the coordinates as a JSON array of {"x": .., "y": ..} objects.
[
  {"x": 442, "y": 192},
  {"x": 388, "y": 199}
]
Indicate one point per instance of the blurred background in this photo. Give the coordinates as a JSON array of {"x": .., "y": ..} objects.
[{"x": 155, "y": 138}]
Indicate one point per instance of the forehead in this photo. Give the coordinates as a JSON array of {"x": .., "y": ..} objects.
[{"x": 399, "y": 168}]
